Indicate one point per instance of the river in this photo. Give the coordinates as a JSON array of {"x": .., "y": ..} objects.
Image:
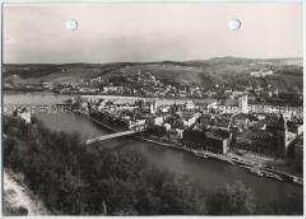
[{"x": 210, "y": 174}]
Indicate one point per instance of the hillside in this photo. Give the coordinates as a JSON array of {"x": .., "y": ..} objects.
[
  {"x": 227, "y": 71},
  {"x": 18, "y": 200}
]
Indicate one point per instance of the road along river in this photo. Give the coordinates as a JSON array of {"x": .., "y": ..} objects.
[{"x": 207, "y": 172}]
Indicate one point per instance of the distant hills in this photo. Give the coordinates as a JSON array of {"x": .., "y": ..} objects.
[{"x": 227, "y": 71}]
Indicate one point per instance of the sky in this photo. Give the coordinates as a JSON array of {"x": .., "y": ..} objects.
[{"x": 143, "y": 32}]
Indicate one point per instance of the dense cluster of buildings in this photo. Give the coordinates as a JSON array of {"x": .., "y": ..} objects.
[
  {"x": 202, "y": 125},
  {"x": 261, "y": 73},
  {"x": 218, "y": 119},
  {"x": 143, "y": 83}
]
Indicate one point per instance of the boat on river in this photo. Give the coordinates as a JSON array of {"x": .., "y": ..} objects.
[{"x": 201, "y": 154}]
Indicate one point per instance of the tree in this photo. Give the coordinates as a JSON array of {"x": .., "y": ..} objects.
[{"x": 234, "y": 199}]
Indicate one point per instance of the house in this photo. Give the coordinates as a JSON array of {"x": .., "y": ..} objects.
[
  {"x": 216, "y": 143},
  {"x": 167, "y": 126},
  {"x": 261, "y": 73},
  {"x": 140, "y": 124},
  {"x": 298, "y": 150},
  {"x": 23, "y": 114},
  {"x": 190, "y": 121},
  {"x": 48, "y": 85},
  {"x": 210, "y": 141},
  {"x": 189, "y": 105},
  {"x": 158, "y": 120},
  {"x": 207, "y": 103},
  {"x": 155, "y": 120},
  {"x": 256, "y": 141},
  {"x": 176, "y": 134},
  {"x": 26, "y": 116},
  {"x": 295, "y": 128}
]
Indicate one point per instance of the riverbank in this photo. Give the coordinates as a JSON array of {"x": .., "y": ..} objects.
[
  {"x": 235, "y": 160},
  {"x": 230, "y": 158}
]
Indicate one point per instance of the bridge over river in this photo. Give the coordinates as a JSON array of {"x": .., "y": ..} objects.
[{"x": 111, "y": 136}]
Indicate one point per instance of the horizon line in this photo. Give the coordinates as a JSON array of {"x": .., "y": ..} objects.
[{"x": 144, "y": 62}]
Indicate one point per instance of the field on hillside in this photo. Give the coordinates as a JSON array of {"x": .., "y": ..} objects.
[{"x": 233, "y": 72}]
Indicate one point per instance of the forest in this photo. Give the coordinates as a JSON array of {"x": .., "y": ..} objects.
[{"x": 72, "y": 179}]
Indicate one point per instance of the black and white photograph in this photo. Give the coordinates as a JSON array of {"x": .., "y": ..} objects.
[{"x": 152, "y": 109}]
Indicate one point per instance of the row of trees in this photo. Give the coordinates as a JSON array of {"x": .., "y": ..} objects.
[{"x": 73, "y": 179}]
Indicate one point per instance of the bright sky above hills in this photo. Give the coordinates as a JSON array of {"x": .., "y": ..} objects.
[{"x": 113, "y": 32}]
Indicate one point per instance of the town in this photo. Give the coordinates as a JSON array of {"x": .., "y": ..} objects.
[
  {"x": 157, "y": 109},
  {"x": 232, "y": 128},
  {"x": 128, "y": 81},
  {"x": 259, "y": 126}
]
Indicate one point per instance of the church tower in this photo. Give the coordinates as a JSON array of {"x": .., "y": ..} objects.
[
  {"x": 279, "y": 130},
  {"x": 153, "y": 107},
  {"x": 281, "y": 135}
]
